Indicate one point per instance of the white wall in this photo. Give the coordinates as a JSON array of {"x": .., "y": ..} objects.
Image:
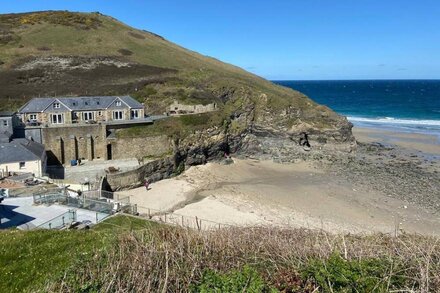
[{"x": 35, "y": 167}]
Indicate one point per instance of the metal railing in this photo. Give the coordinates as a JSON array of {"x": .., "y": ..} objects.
[{"x": 59, "y": 221}]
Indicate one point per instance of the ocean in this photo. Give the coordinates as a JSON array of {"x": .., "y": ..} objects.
[{"x": 398, "y": 105}]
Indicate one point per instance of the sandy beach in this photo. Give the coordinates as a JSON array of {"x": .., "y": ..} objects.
[
  {"x": 429, "y": 144},
  {"x": 304, "y": 194}
]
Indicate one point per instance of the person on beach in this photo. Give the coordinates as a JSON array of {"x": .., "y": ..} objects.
[{"x": 146, "y": 184}]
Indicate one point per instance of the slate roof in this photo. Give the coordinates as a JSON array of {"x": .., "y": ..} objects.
[
  {"x": 21, "y": 150},
  {"x": 79, "y": 103},
  {"x": 6, "y": 114}
]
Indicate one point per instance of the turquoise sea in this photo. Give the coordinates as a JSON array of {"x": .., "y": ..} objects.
[{"x": 399, "y": 105}]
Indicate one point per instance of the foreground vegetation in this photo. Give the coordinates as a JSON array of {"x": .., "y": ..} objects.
[
  {"x": 30, "y": 259},
  {"x": 125, "y": 254}
]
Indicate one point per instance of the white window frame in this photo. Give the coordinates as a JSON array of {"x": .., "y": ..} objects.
[
  {"x": 87, "y": 116},
  {"x": 59, "y": 118},
  {"x": 56, "y": 105},
  {"x": 118, "y": 115},
  {"x": 134, "y": 114},
  {"x": 118, "y": 103},
  {"x": 33, "y": 117},
  {"x": 22, "y": 165},
  {"x": 5, "y": 122}
]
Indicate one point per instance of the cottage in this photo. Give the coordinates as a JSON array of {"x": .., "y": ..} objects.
[
  {"x": 72, "y": 110},
  {"x": 21, "y": 156}
]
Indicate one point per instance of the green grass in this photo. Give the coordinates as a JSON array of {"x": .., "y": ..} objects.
[
  {"x": 177, "y": 126},
  {"x": 30, "y": 259},
  {"x": 123, "y": 223}
]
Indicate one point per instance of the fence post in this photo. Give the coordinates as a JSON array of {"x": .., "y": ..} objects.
[
  {"x": 197, "y": 223},
  {"x": 149, "y": 214}
]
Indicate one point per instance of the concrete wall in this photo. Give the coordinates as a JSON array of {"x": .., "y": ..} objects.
[
  {"x": 156, "y": 146},
  {"x": 32, "y": 134},
  {"x": 35, "y": 167}
]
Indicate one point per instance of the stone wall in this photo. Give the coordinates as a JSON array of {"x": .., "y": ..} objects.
[
  {"x": 178, "y": 108},
  {"x": 153, "y": 171},
  {"x": 75, "y": 142},
  {"x": 141, "y": 147}
]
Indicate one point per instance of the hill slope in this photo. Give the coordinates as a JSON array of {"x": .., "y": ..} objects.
[{"x": 64, "y": 53}]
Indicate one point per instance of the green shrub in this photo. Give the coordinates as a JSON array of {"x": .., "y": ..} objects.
[
  {"x": 245, "y": 280},
  {"x": 200, "y": 119},
  {"x": 368, "y": 275}
]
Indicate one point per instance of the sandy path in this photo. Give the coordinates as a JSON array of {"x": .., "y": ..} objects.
[{"x": 295, "y": 195}]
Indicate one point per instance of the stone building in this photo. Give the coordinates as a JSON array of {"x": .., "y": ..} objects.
[
  {"x": 83, "y": 128},
  {"x": 80, "y": 110},
  {"x": 177, "y": 108}
]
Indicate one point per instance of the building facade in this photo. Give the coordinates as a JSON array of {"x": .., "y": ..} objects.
[
  {"x": 21, "y": 156},
  {"x": 80, "y": 110}
]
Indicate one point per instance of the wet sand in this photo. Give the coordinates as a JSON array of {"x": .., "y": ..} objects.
[{"x": 428, "y": 144}]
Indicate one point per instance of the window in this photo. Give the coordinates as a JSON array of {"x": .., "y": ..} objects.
[
  {"x": 22, "y": 165},
  {"x": 86, "y": 103},
  {"x": 33, "y": 117},
  {"x": 5, "y": 122},
  {"x": 134, "y": 114},
  {"x": 56, "y": 105},
  {"x": 57, "y": 118},
  {"x": 99, "y": 113},
  {"x": 117, "y": 115},
  {"x": 88, "y": 116},
  {"x": 118, "y": 103}
]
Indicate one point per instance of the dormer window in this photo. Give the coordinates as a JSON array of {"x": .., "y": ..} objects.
[
  {"x": 86, "y": 103},
  {"x": 56, "y": 105},
  {"x": 118, "y": 103}
]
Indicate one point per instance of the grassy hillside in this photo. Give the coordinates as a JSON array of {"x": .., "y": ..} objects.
[
  {"x": 126, "y": 254},
  {"x": 64, "y": 53},
  {"x": 31, "y": 259}
]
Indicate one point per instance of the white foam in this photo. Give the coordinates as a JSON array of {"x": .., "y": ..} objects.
[{"x": 391, "y": 120}]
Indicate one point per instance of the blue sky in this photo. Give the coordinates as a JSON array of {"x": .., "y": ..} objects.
[{"x": 287, "y": 39}]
